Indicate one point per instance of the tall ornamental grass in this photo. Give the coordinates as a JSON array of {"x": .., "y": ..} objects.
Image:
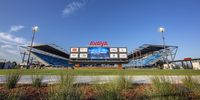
[
  {"x": 37, "y": 81},
  {"x": 65, "y": 89},
  {"x": 12, "y": 79},
  {"x": 162, "y": 89},
  {"x": 192, "y": 85},
  {"x": 112, "y": 90}
]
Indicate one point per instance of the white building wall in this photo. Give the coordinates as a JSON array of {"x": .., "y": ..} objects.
[{"x": 196, "y": 65}]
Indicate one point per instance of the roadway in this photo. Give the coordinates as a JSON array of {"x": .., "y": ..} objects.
[{"x": 141, "y": 79}]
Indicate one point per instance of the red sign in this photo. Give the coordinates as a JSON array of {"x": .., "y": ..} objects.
[
  {"x": 74, "y": 49},
  {"x": 98, "y": 43},
  {"x": 187, "y": 59}
]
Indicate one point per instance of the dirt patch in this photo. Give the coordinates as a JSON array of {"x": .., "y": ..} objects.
[{"x": 24, "y": 93}]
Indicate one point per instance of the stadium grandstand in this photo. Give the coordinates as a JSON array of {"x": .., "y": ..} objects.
[
  {"x": 149, "y": 55},
  {"x": 146, "y": 56},
  {"x": 45, "y": 55}
]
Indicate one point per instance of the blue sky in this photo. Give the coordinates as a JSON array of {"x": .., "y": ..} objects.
[{"x": 128, "y": 23}]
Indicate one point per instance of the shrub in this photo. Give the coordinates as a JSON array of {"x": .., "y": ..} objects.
[
  {"x": 123, "y": 83},
  {"x": 65, "y": 90},
  {"x": 161, "y": 88},
  {"x": 3, "y": 95},
  {"x": 37, "y": 81},
  {"x": 12, "y": 79},
  {"x": 112, "y": 90},
  {"x": 192, "y": 85}
]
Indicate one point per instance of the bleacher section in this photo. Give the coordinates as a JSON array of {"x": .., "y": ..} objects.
[
  {"x": 47, "y": 54},
  {"x": 52, "y": 61},
  {"x": 149, "y": 55}
]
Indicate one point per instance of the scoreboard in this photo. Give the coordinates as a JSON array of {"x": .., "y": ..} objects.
[{"x": 98, "y": 53}]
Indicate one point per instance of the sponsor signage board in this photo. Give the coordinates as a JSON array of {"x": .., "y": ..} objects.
[
  {"x": 113, "y": 50},
  {"x": 124, "y": 56},
  {"x": 83, "y": 49},
  {"x": 115, "y": 56},
  {"x": 73, "y": 55},
  {"x": 98, "y": 43},
  {"x": 83, "y": 55},
  {"x": 122, "y": 50},
  {"x": 74, "y": 49}
]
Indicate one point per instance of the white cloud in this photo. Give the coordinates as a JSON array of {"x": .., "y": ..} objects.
[
  {"x": 11, "y": 39},
  {"x": 1, "y": 54},
  {"x": 13, "y": 52},
  {"x": 16, "y": 28},
  {"x": 73, "y": 6},
  {"x": 7, "y": 46}
]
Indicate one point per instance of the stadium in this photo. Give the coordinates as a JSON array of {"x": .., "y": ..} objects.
[{"x": 100, "y": 54}]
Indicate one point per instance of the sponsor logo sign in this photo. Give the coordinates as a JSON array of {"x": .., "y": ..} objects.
[
  {"x": 113, "y": 50},
  {"x": 122, "y": 55},
  {"x": 122, "y": 50},
  {"x": 113, "y": 55},
  {"x": 187, "y": 59},
  {"x": 74, "y": 49},
  {"x": 73, "y": 55},
  {"x": 98, "y": 43},
  {"x": 83, "y": 55},
  {"x": 83, "y": 49}
]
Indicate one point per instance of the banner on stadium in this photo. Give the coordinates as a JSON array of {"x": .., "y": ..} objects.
[
  {"x": 124, "y": 56},
  {"x": 113, "y": 50},
  {"x": 73, "y": 55},
  {"x": 122, "y": 50},
  {"x": 74, "y": 49},
  {"x": 83, "y": 49},
  {"x": 114, "y": 56},
  {"x": 83, "y": 55}
]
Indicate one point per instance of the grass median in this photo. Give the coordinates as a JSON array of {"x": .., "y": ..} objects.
[{"x": 100, "y": 72}]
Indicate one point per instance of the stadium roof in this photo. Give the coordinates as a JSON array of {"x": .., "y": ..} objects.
[
  {"x": 53, "y": 49},
  {"x": 146, "y": 48}
]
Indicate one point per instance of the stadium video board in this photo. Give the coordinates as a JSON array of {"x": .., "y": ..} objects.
[{"x": 98, "y": 53}]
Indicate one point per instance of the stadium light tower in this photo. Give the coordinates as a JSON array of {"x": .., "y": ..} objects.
[
  {"x": 162, "y": 30},
  {"x": 34, "y": 29}
]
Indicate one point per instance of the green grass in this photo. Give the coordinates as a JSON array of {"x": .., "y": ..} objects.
[{"x": 100, "y": 72}]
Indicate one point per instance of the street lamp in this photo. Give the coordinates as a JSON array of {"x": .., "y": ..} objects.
[
  {"x": 162, "y": 30},
  {"x": 34, "y": 29}
]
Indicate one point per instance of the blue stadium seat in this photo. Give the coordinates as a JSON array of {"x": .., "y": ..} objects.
[
  {"x": 150, "y": 60},
  {"x": 54, "y": 61}
]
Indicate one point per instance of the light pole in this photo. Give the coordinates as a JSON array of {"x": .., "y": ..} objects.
[
  {"x": 162, "y": 30},
  {"x": 34, "y": 29}
]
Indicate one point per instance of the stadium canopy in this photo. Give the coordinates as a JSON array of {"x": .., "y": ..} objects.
[
  {"x": 147, "y": 48},
  {"x": 53, "y": 49}
]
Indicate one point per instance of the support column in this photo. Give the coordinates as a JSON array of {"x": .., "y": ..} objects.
[
  {"x": 119, "y": 66},
  {"x": 77, "y": 65}
]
